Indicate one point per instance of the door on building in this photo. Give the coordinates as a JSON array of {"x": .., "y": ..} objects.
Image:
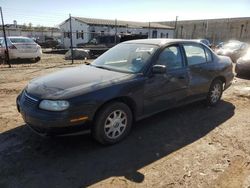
[{"x": 154, "y": 34}]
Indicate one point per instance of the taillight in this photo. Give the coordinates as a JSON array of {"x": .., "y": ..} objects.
[{"x": 12, "y": 47}]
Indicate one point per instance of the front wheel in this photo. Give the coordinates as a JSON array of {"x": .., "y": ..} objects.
[
  {"x": 112, "y": 123},
  {"x": 215, "y": 92}
]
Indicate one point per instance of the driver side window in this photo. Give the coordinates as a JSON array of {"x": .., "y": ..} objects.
[{"x": 171, "y": 58}]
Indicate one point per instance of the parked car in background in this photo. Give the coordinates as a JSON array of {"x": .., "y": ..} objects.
[
  {"x": 131, "y": 81},
  {"x": 20, "y": 48},
  {"x": 205, "y": 41},
  {"x": 49, "y": 42},
  {"x": 233, "y": 49},
  {"x": 243, "y": 64},
  {"x": 219, "y": 45}
]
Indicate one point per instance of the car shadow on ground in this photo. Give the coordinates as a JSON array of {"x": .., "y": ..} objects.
[
  {"x": 22, "y": 61},
  {"x": 28, "y": 160}
]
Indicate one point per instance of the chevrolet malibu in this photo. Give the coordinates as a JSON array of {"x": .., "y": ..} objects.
[{"x": 131, "y": 81}]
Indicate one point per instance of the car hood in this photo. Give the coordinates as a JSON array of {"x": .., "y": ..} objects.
[{"x": 71, "y": 82}]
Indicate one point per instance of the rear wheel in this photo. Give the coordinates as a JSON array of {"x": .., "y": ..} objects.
[
  {"x": 113, "y": 123},
  {"x": 215, "y": 92},
  {"x": 37, "y": 59}
]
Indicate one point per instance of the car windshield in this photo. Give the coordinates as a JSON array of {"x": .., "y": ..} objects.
[
  {"x": 232, "y": 46},
  {"x": 126, "y": 57},
  {"x": 21, "y": 40}
]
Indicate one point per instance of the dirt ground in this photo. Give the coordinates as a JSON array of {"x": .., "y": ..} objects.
[{"x": 190, "y": 146}]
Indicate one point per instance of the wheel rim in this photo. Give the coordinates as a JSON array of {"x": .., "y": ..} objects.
[
  {"x": 115, "y": 124},
  {"x": 216, "y": 93}
]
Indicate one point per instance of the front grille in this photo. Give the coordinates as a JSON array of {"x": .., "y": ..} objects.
[{"x": 29, "y": 101}]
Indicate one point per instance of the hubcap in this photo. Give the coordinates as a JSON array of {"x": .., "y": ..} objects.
[
  {"x": 215, "y": 93},
  {"x": 115, "y": 124}
]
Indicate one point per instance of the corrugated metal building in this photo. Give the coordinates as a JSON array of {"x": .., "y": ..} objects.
[{"x": 216, "y": 30}]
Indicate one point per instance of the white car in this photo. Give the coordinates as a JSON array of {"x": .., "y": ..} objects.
[{"x": 21, "y": 48}]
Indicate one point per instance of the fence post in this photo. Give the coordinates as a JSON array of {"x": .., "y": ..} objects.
[
  {"x": 5, "y": 40},
  {"x": 115, "y": 30},
  {"x": 148, "y": 29},
  {"x": 71, "y": 40},
  {"x": 175, "y": 27}
]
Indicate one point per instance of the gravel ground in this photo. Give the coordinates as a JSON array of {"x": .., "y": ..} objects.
[{"x": 190, "y": 146}]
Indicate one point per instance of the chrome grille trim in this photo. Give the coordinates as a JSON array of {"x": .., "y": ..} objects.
[
  {"x": 26, "y": 95},
  {"x": 29, "y": 101}
]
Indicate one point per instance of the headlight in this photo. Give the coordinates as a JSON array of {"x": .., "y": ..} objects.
[{"x": 54, "y": 105}]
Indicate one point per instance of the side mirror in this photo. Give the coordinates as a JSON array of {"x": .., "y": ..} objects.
[{"x": 159, "y": 69}]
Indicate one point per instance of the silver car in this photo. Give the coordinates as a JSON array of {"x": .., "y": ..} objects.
[
  {"x": 243, "y": 64},
  {"x": 20, "y": 48}
]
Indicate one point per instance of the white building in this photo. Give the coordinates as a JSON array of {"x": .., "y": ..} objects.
[{"x": 85, "y": 29}]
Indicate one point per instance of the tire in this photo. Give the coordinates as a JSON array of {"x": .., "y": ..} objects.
[
  {"x": 37, "y": 59},
  {"x": 215, "y": 92},
  {"x": 112, "y": 123}
]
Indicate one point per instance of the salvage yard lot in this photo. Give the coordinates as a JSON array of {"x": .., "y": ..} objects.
[{"x": 190, "y": 146}]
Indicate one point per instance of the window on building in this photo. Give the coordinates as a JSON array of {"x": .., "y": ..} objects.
[
  {"x": 64, "y": 34},
  {"x": 77, "y": 34},
  {"x": 68, "y": 34},
  {"x": 166, "y": 35},
  {"x": 162, "y": 35},
  {"x": 92, "y": 34},
  {"x": 154, "y": 34},
  {"x": 82, "y": 34}
]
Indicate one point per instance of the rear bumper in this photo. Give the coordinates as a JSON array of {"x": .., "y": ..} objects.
[{"x": 15, "y": 54}]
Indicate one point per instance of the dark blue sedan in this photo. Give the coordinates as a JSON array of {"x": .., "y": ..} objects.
[{"x": 131, "y": 81}]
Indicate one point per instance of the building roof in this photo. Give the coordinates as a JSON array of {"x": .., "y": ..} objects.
[{"x": 120, "y": 23}]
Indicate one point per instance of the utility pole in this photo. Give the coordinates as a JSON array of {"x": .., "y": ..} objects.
[
  {"x": 175, "y": 26},
  {"x": 71, "y": 40},
  {"x": 207, "y": 29},
  {"x": 149, "y": 29},
  {"x": 115, "y": 30},
  {"x": 5, "y": 40}
]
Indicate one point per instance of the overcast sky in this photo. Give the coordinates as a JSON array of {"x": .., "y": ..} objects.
[{"x": 53, "y": 12}]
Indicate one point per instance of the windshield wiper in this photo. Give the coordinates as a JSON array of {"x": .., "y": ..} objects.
[{"x": 101, "y": 67}]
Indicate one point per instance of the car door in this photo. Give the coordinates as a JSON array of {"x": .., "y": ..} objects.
[
  {"x": 162, "y": 91},
  {"x": 198, "y": 60}
]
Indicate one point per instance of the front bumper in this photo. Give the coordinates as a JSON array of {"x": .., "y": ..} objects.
[{"x": 50, "y": 123}]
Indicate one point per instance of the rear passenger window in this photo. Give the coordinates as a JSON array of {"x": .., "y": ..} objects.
[{"x": 195, "y": 54}]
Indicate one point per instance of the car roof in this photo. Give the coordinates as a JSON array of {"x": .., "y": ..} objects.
[{"x": 159, "y": 42}]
